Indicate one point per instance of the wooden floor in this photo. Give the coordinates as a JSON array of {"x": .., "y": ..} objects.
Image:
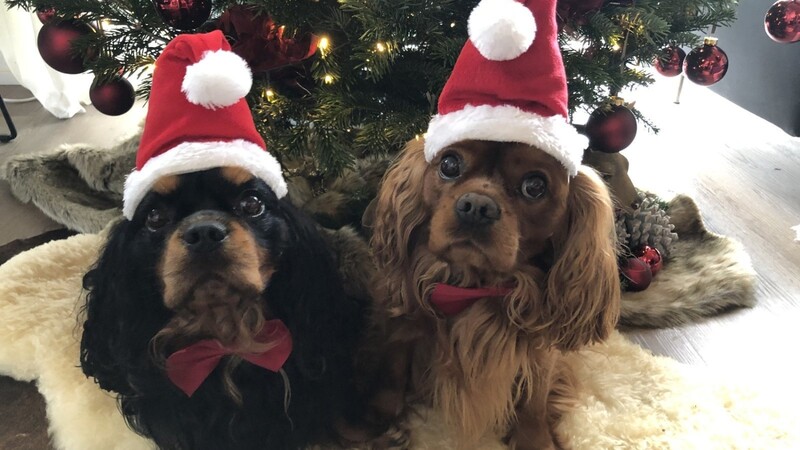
[{"x": 743, "y": 172}]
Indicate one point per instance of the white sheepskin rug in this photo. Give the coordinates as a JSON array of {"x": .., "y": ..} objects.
[{"x": 629, "y": 399}]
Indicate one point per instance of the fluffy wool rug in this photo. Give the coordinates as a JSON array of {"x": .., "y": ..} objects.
[
  {"x": 80, "y": 187},
  {"x": 628, "y": 398}
]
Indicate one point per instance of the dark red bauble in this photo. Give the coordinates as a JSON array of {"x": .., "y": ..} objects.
[
  {"x": 209, "y": 26},
  {"x": 638, "y": 274},
  {"x": 652, "y": 257},
  {"x": 112, "y": 98},
  {"x": 611, "y": 129},
  {"x": 55, "y": 45},
  {"x": 575, "y": 11},
  {"x": 183, "y": 14},
  {"x": 707, "y": 64},
  {"x": 782, "y": 21},
  {"x": 670, "y": 61},
  {"x": 45, "y": 13}
]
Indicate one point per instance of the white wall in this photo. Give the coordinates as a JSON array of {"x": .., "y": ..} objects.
[{"x": 5, "y": 74}]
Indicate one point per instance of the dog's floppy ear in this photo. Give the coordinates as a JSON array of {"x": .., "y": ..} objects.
[
  {"x": 399, "y": 210},
  {"x": 583, "y": 293},
  {"x": 120, "y": 311},
  {"x": 306, "y": 291}
]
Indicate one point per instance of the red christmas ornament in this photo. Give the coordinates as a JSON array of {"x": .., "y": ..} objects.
[
  {"x": 638, "y": 274},
  {"x": 55, "y": 44},
  {"x": 45, "y": 13},
  {"x": 782, "y": 21},
  {"x": 259, "y": 41},
  {"x": 183, "y": 14},
  {"x": 611, "y": 129},
  {"x": 112, "y": 97},
  {"x": 209, "y": 26},
  {"x": 652, "y": 257},
  {"x": 575, "y": 11},
  {"x": 707, "y": 64},
  {"x": 670, "y": 61}
]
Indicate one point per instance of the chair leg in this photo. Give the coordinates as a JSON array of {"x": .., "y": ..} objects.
[{"x": 12, "y": 130}]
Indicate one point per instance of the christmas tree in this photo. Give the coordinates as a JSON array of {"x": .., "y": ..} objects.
[{"x": 337, "y": 80}]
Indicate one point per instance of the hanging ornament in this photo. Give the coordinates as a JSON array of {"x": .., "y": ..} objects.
[
  {"x": 45, "y": 13},
  {"x": 707, "y": 64},
  {"x": 637, "y": 273},
  {"x": 183, "y": 14},
  {"x": 259, "y": 41},
  {"x": 669, "y": 62},
  {"x": 611, "y": 128},
  {"x": 782, "y": 21},
  {"x": 112, "y": 97},
  {"x": 575, "y": 12},
  {"x": 55, "y": 43},
  {"x": 652, "y": 257},
  {"x": 209, "y": 26}
]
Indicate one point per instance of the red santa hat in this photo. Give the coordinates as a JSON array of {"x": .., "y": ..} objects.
[
  {"x": 508, "y": 84},
  {"x": 198, "y": 118}
]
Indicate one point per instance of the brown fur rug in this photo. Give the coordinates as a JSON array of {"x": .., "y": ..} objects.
[
  {"x": 706, "y": 274},
  {"x": 80, "y": 187}
]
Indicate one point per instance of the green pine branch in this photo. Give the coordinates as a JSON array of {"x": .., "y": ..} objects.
[{"x": 376, "y": 85}]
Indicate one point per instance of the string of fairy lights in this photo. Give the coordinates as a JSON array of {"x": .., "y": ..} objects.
[{"x": 325, "y": 47}]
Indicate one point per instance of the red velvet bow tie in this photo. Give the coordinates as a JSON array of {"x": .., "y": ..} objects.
[
  {"x": 189, "y": 367},
  {"x": 451, "y": 300}
]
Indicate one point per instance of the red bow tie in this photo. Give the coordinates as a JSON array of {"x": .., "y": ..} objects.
[
  {"x": 189, "y": 367},
  {"x": 451, "y": 300}
]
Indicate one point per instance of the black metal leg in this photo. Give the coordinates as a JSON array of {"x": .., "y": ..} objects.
[{"x": 9, "y": 122}]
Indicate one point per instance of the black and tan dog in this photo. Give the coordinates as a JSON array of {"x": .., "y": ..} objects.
[
  {"x": 216, "y": 312},
  {"x": 215, "y": 255}
]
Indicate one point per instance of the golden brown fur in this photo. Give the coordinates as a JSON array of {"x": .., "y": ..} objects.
[
  {"x": 236, "y": 175},
  {"x": 167, "y": 184},
  {"x": 496, "y": 366}
]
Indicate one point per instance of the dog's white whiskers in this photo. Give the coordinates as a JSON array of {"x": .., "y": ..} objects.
[{"x": 287, "y": 395}]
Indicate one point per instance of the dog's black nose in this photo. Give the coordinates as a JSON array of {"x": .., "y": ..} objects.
[
  {"x": 477, "y": 209},
  {"x": 205, "y": 236}
]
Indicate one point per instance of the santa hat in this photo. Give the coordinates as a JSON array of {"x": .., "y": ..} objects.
[
  {"x": 508, "y": 84},
  {"x": 198, "y": 118}
]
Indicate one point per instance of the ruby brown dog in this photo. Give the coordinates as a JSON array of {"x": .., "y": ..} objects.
[{"x": 495, "y": 247}]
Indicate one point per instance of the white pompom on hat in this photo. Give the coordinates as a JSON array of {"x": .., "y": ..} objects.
[{"x": 501, "y": 29}]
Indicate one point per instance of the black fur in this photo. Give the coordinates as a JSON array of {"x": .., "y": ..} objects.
[{"x": 124, "y": 309}]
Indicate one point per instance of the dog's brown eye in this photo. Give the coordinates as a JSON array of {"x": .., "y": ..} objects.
[
  {"x": 534, "y": 187},
  {"x": 156, "y": 219},
  {"x": 251, "y": 205},
  {"x": 450, "y": 167}
]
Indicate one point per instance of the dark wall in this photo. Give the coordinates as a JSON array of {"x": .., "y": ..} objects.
[{"x": 763, "y": 76}]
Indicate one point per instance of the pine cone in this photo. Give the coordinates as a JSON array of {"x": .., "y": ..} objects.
[
  {"x": 650, "y": 225},
  {"x": 622, "y": 232}
]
